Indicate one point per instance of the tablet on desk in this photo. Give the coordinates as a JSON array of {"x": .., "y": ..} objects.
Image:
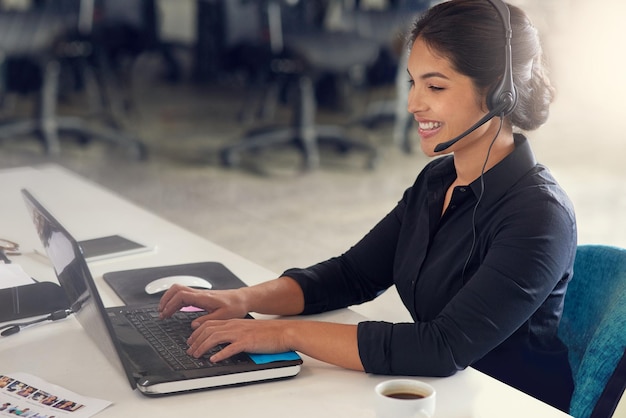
[{"x": 111, "y": 246}]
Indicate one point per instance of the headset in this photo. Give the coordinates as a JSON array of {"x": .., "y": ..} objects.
[{"x": 502, "y": 99}]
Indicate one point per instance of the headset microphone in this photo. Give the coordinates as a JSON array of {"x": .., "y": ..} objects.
[
  {"x": 502, "y": 100},
  {"x": 492, "y": 113}
]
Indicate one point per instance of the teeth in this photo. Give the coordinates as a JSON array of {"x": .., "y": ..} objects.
[{"x": 429, "y": 125}]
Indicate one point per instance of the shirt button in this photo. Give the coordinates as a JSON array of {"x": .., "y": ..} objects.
[{"x": 463, "y": 189}]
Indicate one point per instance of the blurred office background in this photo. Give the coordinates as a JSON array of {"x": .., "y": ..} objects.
[{"x": 186, "y": 79}]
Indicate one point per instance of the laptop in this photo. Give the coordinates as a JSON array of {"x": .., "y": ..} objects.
[{"x": 129, "y": 335}]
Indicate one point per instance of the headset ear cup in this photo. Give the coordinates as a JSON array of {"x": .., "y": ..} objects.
[
  {"x": 509, "y": 100},
  {"x": 503, "y": 99},
  {"x": 494, "y": 97}
]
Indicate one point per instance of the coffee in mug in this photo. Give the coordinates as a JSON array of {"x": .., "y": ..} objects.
[
  {"x": 404, "y": 395},
  {"x": 404, "y": 398}
]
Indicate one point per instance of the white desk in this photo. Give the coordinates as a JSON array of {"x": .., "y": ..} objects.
[{"x": 61, "y": 352}]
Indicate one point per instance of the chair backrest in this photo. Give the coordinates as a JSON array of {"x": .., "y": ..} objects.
[
  {"x": 28, "y": 31},
  {"x": 593, "y": 327}
]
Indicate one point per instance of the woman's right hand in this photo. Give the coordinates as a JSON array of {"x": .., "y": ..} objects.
[{"x": 219, "y": 304}]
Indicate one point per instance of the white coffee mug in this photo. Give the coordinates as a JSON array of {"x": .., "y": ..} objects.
[{"x": 405, "y": 398}]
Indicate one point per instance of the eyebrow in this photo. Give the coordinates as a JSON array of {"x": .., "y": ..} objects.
[{"x": 433, "y": 74}]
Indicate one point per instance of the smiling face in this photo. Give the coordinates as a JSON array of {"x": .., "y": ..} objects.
[{"x": 443, "y": 101}]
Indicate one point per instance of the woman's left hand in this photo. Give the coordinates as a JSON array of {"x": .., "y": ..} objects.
[
  {"x": 329, "y": 342},
  {"x": 252, "y": 336}
]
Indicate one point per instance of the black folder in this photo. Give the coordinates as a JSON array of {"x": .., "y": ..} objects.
[{"x": 41, "y": 298}]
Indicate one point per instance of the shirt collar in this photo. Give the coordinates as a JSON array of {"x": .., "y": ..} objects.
[
  {"x": 499, "y": 178},
  {"x": 507, "y": 172}
]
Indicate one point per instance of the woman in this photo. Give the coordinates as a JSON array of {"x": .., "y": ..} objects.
[{"x": 480, "y": 248}]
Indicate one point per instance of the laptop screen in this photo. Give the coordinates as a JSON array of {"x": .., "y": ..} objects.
[{"x": 75, "y": 278}]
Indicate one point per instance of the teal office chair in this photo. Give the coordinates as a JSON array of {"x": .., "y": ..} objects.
[{"x": 594, "y": 329}]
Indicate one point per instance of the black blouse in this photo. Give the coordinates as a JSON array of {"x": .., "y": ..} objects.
[{"x": 484, "y": 283}]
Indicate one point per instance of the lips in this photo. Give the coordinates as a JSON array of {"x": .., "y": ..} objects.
[{"x": 427, "y": 129}]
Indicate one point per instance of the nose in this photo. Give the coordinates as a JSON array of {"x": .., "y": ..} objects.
[{"x": 415, "y": 103}]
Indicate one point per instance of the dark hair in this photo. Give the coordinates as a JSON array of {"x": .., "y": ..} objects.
[{"x": 470, "y": 34}]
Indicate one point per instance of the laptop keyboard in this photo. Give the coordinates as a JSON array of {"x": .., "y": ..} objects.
[{"x": 169, "y": 337}]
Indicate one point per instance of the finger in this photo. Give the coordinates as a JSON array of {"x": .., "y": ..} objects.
[
  {"x": 176, "y": 288},
  {"x": 213, "y": 333},
  {"x": 218, "y": 313},
  {"x": 206, "y": 338},
  {"x": 167, "y": 296},
  {"x": 203, "y": 331},
  {"x": 171, "y": 294},
  {"x": 226, "y": 352},
  {"x": 184, "y": 297}
]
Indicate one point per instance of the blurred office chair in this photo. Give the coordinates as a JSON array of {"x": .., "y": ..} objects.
[
  {"x": 389, "y": 27},
  {"x": 128, "y": 30},
  {"x": 593, "y": 327},
  {"x": 302, "y": 52},
  {"x": 48, "y": 36}
]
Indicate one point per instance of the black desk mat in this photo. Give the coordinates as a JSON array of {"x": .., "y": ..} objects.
[{"x": 130, "y": 285}]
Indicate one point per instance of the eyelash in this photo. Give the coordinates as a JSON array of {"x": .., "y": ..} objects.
[{"x": 431, "y": 87}]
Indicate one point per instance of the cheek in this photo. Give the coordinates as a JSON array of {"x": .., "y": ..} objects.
[{"x": 462, "y": 115}]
